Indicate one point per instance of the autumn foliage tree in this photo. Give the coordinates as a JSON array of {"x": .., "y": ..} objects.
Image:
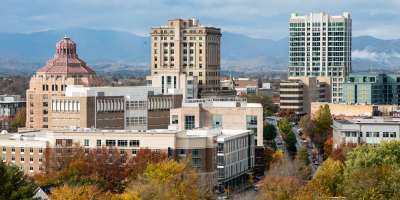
[
  {"x": 19, "y": 119},
  {"x": 168, "y": 180},
  {"x": 108, "y": 169},
  {"x": 317, "y": 128}
]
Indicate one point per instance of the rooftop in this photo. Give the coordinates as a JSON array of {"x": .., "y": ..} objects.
[
  {"x": 66, "y": 60},
  {"x": 370, "y": 120}
]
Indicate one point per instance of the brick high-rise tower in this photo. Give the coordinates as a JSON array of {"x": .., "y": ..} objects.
[{"x": 64, "y": 69}]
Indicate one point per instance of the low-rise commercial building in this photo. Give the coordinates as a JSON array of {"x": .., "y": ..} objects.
[
  {"x": 246, "y": 86},
  {"x": 225, "y": 113},
  {"x": 139, "y": 108},
  {"x": 9, "y": 106},
  {"x": 356, "y": 110},
  {"x": 223, "y": 157},
  {"x": 297, "y": 93},
  {"x": 365, "y": 130}
]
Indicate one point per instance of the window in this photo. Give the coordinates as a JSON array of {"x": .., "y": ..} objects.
[
  {"x": 12, "y": 149},
  {"x": 110, "y": 143},
  {"x": 134, "y": 152},
  {"x": 86, "y": 142},
  {"x": 22, "y": 150},
  {"x": 376, "y": 134},
  {"x": 122, "y": 143},
  {"x": 4, "y": 148},
  {"x": 251, "y": 119},
  {"x": 3, "y": 157},
  {"x": 98, "y": 143},
  {"x": 368, "y": 134},
  {"x": 30, "y": 159},
  {"x": 217, "y": 121},
  {"x": 220, "y": 148},
  {"x": 40, "y": 150},
  {"x": 385, "y": 134},
  {"x": 31, "y": 168},
  {"x": 22, "y": 159},
  {"x": 136, "y": 121},
  {"x": 392, "y": 134},
  {"x": 133, "y": 143},
  {"x": 353, "y": 134},
  {"x": 189, "y": 122},
  {"x": 196, "y": 162},
  {"x": 174, "y": 119}
]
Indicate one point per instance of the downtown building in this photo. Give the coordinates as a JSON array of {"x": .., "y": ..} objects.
[
  {"x": 372, "y": 88},
  {"x": 66, "y": 93},
  {"x": 367, "y": 130},
  {"x": 184, "y": 52},
  {"x": 223, "y": 157},
  {"x": 51, "y": 81},
  {"x": 320, "y": 45},
  {"x": 9, "y": 106},
  {"x": 297, "y": 94}
]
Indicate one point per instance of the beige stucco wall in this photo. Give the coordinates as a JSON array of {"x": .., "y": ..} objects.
[
  {"x": 232, "y": 117},
  {"x": 344, "y": 109}
]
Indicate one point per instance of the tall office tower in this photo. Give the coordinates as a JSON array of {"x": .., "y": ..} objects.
[
  {"x": 320, "y": 45},
  {"x": 183, "y": 49},
  {"x": 50, "y": 81}
]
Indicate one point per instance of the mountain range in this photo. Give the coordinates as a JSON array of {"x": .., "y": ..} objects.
[{"x": 112, "y": 51}]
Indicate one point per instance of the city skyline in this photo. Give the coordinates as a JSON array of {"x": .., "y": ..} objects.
[{"x": 375, "y": 19}]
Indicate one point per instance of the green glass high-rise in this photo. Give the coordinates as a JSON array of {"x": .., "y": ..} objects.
[{"x": 372, "y": 88}]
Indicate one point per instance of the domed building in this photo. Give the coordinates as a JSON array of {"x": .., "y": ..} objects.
[{"x": 65, "y": 68}]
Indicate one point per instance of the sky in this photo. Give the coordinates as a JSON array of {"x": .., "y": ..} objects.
[{"x": 255, "y": 18}]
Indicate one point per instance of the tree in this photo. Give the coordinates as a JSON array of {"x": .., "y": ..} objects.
[
  {"x": 14, "y": 185},
  {"x": 373, "y": 183},
  {"x": 322, "y": 121},
  {"x": 307, "y": 125},
  {"x": 107, "y": 169},
  {"x": 279, "y": 187},
  {"x": 19, "y": 120},
  {"x": 84, "y": 192},
  {"x": 67, "y": 192},
  {"x": 328, "y": 146},
  {"x": 328, "y": 178},
  {"x": 363, "y": 156},
  {"x": 143, "y": 158},
  {"x": 291, "y": 141},
  {"x": 269, "y": 108},
  {"x": 168, "y": 180},
  {"x": 302, "y": 155},
  {"x": 284, "y": 127},
  {"x": 269, "y": 132}
]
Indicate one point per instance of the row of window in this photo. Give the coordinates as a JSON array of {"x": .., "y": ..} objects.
[
  {"x": 110, "y": 105},
  {"x": 54, "y": 87},
  {"x": 65, "y": 106},
  {"x": 21, "y": 149},
  {"x": 370, "y": 134},
  {"x": 22, "y": 159},
  {"x": 136, "y": 105},
  {"x": 136, "y": 121},
  {"x": 113, "y": 143}
]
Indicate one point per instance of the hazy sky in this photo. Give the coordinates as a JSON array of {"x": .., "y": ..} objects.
[{"x": 256, "y": 18}]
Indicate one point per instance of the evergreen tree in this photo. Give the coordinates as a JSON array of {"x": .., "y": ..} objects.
[
  {"x": 14, "y": 185},
  {"x": 269, "y": 132}
]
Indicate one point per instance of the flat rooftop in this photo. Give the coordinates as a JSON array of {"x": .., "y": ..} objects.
[{"x": 370, "y": 120}]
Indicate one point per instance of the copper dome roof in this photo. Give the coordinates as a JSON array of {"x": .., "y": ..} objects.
[{"x": 66, "y": 60}]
